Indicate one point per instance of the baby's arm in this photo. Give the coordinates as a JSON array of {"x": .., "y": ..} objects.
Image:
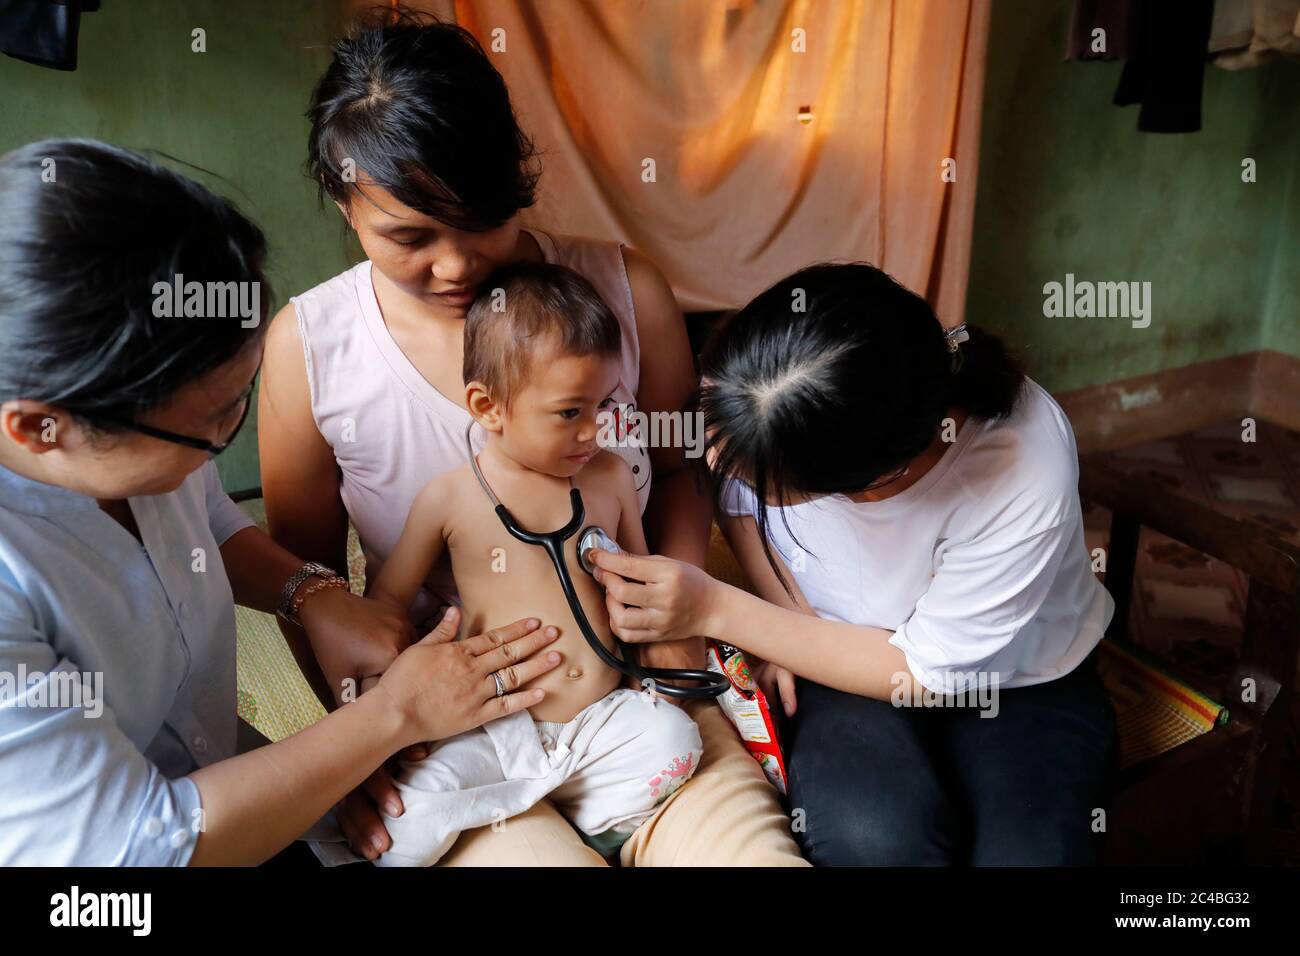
[{"x": 421, "y": 544}]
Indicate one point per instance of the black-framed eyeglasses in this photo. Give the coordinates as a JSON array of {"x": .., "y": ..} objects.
[{"x": 200, "y": 444}]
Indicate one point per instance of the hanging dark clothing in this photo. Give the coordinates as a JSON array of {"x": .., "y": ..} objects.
[
  {"x": 43, "y": 32},
  {"x": 1165, "y": 71}
]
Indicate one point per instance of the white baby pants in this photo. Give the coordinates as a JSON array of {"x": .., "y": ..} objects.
[{"x": 605, "y": 770}]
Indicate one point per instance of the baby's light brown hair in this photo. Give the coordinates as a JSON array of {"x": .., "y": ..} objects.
[{"x": 524, "y": 306}]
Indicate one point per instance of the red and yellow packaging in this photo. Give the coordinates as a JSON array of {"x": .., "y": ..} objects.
[{"x": 746, "y": 707}]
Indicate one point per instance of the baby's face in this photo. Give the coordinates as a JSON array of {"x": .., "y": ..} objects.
[{"x": 553, "y": 422}]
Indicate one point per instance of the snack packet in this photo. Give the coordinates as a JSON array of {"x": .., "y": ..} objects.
[{"x": 746, "y": 707}]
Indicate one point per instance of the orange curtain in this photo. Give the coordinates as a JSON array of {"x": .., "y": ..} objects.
[{"x": 675, "y": 126}]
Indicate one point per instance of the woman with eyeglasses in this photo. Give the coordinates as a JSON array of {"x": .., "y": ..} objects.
[
  {"x": 121, "y": 557},
  {"x": 906, "y": 504}
]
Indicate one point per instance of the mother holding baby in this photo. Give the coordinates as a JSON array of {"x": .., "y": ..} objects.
[{"x": 414, "y": 139}]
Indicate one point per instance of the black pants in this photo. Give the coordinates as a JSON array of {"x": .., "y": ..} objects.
[{"x": 880, "y": 785}]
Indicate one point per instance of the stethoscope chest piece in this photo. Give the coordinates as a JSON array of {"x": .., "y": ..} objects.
[{"x": 590, "y": 538}]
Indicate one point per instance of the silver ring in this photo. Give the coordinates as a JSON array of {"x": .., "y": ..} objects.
[{"x": 501, "y": 684}]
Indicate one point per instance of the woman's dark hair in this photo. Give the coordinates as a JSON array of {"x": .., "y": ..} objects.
[
  {"x": 834, "y": 378},
  {"x": 417, "y": 105},
  {"x": 86, "y": 230}
]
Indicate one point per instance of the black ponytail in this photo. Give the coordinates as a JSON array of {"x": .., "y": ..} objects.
[{"x": 988, "y": 377}]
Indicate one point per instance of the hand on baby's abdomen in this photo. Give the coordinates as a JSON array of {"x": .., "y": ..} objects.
[{"x": 579, "y": 680}]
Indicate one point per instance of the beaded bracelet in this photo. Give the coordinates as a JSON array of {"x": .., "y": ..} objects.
[
  {"x": 311, "y": 568},
  {"x": 326, "y": 584}
]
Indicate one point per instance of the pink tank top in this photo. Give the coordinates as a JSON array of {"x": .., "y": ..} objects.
[{"x": 392, "y": 431}]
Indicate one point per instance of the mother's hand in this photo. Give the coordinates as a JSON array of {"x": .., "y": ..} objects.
[
  {"x": 653, "y": 598},
  {"x": 354, "y": 639}
]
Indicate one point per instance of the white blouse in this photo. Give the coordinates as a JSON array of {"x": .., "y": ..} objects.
[{"x": 980, "y": 568}]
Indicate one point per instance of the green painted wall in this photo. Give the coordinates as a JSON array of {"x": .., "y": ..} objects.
[
  {"x": 1068, "y": 184},
  {"x": 1282, "y": 303},
  {"x": 236, "y": 110}
]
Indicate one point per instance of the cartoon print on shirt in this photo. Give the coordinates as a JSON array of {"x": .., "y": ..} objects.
[{"x": 630, "y": 444}]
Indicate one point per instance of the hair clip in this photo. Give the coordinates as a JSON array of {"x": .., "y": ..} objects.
[{"x": 955, "y": 336}]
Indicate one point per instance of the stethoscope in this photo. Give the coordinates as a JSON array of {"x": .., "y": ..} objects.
[{"x": 589, "y": 538}]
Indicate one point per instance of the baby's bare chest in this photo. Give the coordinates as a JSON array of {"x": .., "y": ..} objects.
[
  {"x": 493, "y": 569},
  {"x": 479, "y": 541}
]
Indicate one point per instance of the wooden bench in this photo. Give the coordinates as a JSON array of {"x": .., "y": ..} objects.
[{"x": 1216, "y": 795}]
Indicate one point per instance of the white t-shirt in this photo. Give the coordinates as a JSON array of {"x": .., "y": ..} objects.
[{"x": 979, "y": 567}]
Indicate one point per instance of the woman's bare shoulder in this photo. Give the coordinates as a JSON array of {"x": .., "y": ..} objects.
[
  {"x": 282, "y": 335},
  {"x": 652, "y": 296}
]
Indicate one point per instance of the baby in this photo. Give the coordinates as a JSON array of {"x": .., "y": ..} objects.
[{"x": 541, "y": 361}]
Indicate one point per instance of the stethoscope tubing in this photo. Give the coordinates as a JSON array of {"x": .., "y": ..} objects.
[{"x": 655, "y": 679}]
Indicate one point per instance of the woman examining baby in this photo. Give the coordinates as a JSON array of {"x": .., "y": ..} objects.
[
  {"x": 904, "y": 502},
  {"x": 121, "y": 558}
]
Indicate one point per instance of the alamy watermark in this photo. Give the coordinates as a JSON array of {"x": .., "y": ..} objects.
[
  {"x": 627, "y": 427},
  {"x": 1104, "y": 300},
  {"x": 979, "y": 691},
  {"x": 208, "y": 300},
  {"x": 53, "y": 690},
  {"x": 131, "y": 911}
]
